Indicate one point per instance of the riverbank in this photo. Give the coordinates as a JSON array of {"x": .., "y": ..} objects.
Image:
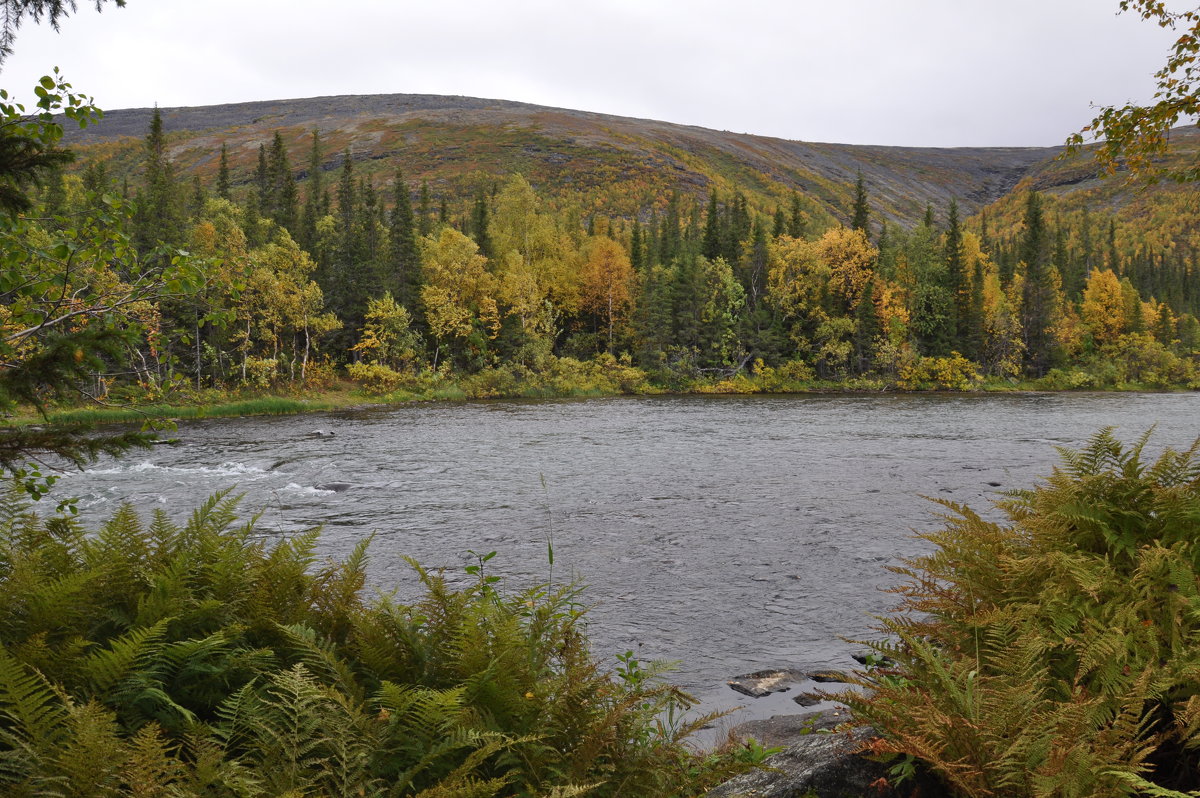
[{"x": 588, "y": 380}]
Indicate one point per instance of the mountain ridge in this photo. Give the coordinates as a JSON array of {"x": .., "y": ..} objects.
[{"x": 429, "y": 137}]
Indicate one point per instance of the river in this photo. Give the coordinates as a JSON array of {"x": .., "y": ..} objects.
[{"x": 729, "y": 534}]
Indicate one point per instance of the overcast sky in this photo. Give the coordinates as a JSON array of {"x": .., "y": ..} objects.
[{"x": 911, "y": 72}]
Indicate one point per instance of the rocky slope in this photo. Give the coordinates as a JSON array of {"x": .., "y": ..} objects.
[{"x": 617, "y": 164}]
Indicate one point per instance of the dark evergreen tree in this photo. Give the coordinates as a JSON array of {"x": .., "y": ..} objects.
[
  {"x": 860, "y": 214},
  {"x": 1112, "y": 257},
  {"x": 349, "y": 280},
  {"x": 198, "y": 199},
  {"x": 975, "y": 321},
  {"x": 928, "y": 220},
  {"x": 404, "y": 254},
  {"x": 780, "y": 226},
  {"x": 95, "y": 178},
  {"x": 653, "y": 245},
  {"x": 637, "y": 258},
  {"x": 370, "y": 224},
  {"x": 796, "y": 220},
  {"x": 1037, "y": 297},
  {"x": 653, "y": 317},
  {"x": 424, "y": 210},
  {"x": 956, "y": 278},
  {"x": 54, "y": 203},
  {"x": 751, "y": 269},
  {"x": 867, "y": 328},
  {"x": 262, "y": 185},
  {"x": 670, "y": 237},
  {"x": 739, "y": 229},
  {"x": 158, "y": 218},
  {"x": 281, "y": 203},
  {"x": 223, "y": 173},
  {"x": 479, "y": 225},
  {"x": 711, "y": 246},
  {"x": 314, "y": 198}
]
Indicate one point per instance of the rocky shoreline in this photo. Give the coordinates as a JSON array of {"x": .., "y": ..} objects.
[{"x": 819, "y": 757}]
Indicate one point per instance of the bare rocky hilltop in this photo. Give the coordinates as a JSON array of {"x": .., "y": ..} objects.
[{"x": 455, "y": 142}]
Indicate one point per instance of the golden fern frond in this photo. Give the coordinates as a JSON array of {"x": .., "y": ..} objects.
[{"x": 152, "y": 768}]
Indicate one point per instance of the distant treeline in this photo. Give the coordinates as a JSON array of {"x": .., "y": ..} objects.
[{"x": 297, "y": 279}]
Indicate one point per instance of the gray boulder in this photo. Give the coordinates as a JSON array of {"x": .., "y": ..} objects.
[
  {"x": 763, "y": 683},
  {"x": 785, "y": 730},
  {"x": 816, "y": 766}
]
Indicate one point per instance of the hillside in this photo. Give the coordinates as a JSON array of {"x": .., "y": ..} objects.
[{"x": 616, "y": 164}]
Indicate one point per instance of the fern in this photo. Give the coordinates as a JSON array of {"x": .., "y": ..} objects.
[{"x": 1055, "y": 655}]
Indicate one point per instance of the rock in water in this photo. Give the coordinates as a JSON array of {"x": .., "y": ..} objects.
[
  {"x": 817, "y": 766},
  {"x": 785, "y": 730},
  {"x": 762, "y": 683},
  {"x": 337, "y": 487}
]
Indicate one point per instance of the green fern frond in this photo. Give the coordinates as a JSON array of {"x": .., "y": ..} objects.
[
  {"x": 104, "y": 669},
  {"x": 320, "y": 656},
  {"x": 33, "y": 708}
]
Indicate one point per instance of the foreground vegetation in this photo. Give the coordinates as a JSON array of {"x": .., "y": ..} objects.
[
  {"x": 147, "y": 658},
  {"x": 1056, "y": 653}
]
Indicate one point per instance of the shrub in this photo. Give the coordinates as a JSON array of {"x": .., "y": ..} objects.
[
  {"x": 1055, "y": 654},
  {"x": 261, "y": 372},
  {"x": 147, "y": 658},
  {"x": 375, "y": 378},
  {"x": 954, "y": 373}
]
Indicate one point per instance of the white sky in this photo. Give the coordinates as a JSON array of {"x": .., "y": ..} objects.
[{"x": 906, "y": 72}]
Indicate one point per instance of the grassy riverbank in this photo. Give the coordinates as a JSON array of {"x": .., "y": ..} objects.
[{"x": 575, "y": 380}]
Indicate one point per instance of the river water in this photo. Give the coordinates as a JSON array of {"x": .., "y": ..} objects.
[{"x": 730, "y": 534}]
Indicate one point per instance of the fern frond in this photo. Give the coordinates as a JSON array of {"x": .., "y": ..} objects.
[{"x": 104, "y": 669}]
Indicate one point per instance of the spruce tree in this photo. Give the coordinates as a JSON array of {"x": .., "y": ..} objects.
[
  {"x": 223, "y": 173},
  {"x": 780, "y": 225},
  {"x": 669, "y": 234},
  {"x": 404, "y": 254},
  {"x": 158, "y": 219},
  {"x": 283, "y": 202},
  {"x": 867, "y": 328},
  {"x": 860, "y": 216},
  {"x": 198, "y": 199},
  {"x": 1112, "y": 257},
  {"x": 55, "y": 200},
  {"x": 1037, "y": 298},
  {"x": 956, "y": 278},
  {"x": 95, "y": 178},
  {"x": 711, "y": 245},
  {"x": 424, "y": 210},
  {"x": 636, "y": 257},
  {"x": 796, "y": 220},
  {"x": 752, "y": 268},
  {"x": 314, "y": 196},
  {"x": 479, "y": 226},
  {"x": 262, "y": 185},
  {"x": 975, "y": 321},
  {"x": 739, "y": 228}
]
